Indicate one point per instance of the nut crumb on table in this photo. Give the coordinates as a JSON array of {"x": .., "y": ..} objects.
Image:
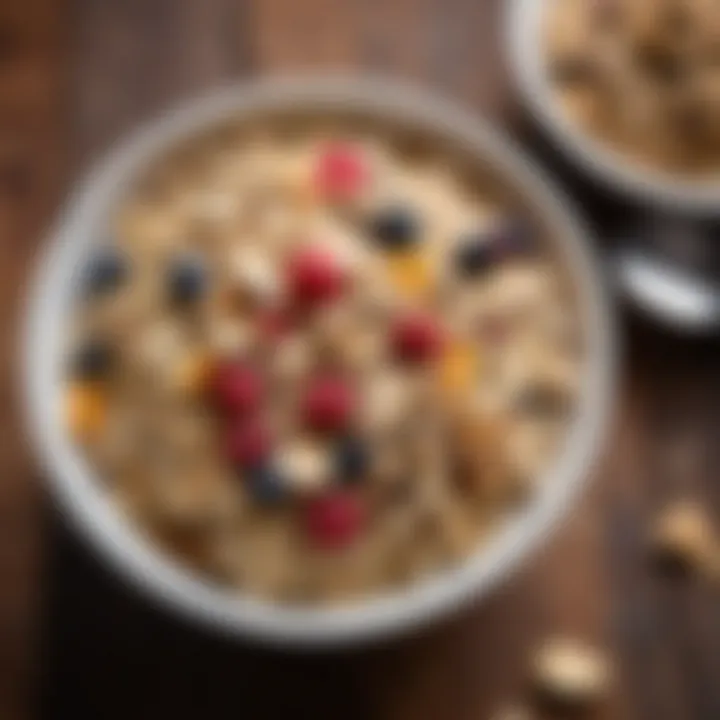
[
  {"x": 684, "y": 534},
  {"x": 569, "y": 672}
]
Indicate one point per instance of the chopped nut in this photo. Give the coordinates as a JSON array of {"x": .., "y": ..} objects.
[
  {"x": 229, "y": 337},
  {"x": 190, "y": 374},
  {"x": 157, "y": 346},
  {"x": 307, "y": 466},
  {"x": 569, "y": 672},
  {"x": 387, "y": 401},
  {"x": 519, "y": 287},
  {"x": 346, "y": 246},
  {"x": 252, "y": 272},
  {"x": 684, "y": 534},
  {"x": 481, "y": 446}
]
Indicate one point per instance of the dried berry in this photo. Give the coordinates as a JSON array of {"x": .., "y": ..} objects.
[
  {"x": 328, "y": 404},
  {"x": 333, "y": 520},
  {"x": 237, "y": 389}
]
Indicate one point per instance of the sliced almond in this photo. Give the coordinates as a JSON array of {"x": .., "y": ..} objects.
[
  {"x": 254, "y": 275},
  {"x": 306, "y": 465}
]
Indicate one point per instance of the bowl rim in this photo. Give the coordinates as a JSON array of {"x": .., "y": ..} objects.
[
  {"x": 644, "y": 184},
  {"x": 156, "y": 575}
]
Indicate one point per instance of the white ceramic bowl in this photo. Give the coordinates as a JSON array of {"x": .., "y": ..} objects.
[
  {"x": 647, "y": 185},
  {"x": 163, "y": 580}
]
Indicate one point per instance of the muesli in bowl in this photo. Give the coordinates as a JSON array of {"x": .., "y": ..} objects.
[{"x": 315, "y": 363}]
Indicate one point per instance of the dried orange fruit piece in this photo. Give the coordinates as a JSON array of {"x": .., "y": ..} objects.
[
  {"x": 458, "y": 367},
  {"x": 85, "y": 410},
  {"x": 410, "y": 273}
]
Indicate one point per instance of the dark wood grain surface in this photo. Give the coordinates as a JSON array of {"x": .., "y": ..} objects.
[{"x": 77, "y": 74}]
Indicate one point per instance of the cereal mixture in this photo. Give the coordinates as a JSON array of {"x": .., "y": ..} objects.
[
  {"x": 643, "y": 76},
  {"x": 320, "y": 364}
]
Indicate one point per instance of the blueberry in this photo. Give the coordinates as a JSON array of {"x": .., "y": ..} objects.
[
  {"x": 474, "y": 255},
  {"x": 396, "y": 228},
  {"x": 93, "y": 360},
  {"x": 478, "y": 252},
  {"x": 352, "y": 459},
  {"x": 266, "y": 486},
  {"x": 107, "y": 270},
  {"x": 187, "y": 279}
]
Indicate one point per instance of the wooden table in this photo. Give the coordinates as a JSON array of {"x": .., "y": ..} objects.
[{"x": 76, "y": 75}]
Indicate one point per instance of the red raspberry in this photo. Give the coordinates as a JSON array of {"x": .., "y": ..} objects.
[
  {"x": 236, "y": 389},
  {"x": 248, "y": 443},
  {"x": 328, "y": 404},
  {"x": 341, "y": 172},
  {"x": 417, "y": 338},
  {"x": 334, "y": 519},
  {"x": 314, "y": 276}
]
